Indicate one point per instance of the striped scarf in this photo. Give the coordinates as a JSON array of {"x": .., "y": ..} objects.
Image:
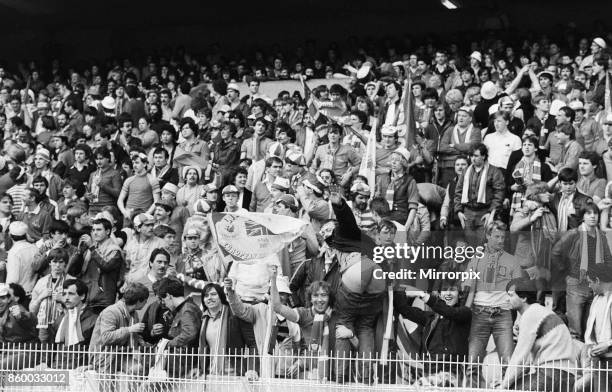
[
  {"x": 319, "y": 340},
  {"x": 468, "y": 134},
  {"x": 482, "y": 186},
  {"x": 584, "y": 250},
  {"x": 48, "y": 311},
  {"x": 530, "y": 173},
  {"x": 390, "y": 194}
]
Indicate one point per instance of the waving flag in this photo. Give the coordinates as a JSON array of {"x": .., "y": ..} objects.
[
  {"x": 252, "y": 236},
  {"x": 409, "y": 111},
  {"x": 607, "y": 105},
  {"x": 368, "y": 163}
]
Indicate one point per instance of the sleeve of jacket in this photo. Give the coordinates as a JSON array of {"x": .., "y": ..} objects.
[
  {"x": 299, "y": 276},
  {"x": 243, "y": 311},
  {"x": 105, "y": 265},
  {"x": 424, "y": 225},
  {"x": 347, "y": 226},
  {"x": 459, "y": 313},
  {"x": 403, "y": 307},
  {"x": 560, "y": 251},
  {"x": 445, "y": 209},
  {"x": 413, "y": 195},
  {"x": 110, "y": 331},
  {"x": 498, "y": 186},
  {"x": 445, "y": 148},
  {"x": 190, "y": 329},
  {"x": 457, "y": 196}
]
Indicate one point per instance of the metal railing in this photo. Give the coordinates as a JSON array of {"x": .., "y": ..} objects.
[{"x": 25, "y": 368}]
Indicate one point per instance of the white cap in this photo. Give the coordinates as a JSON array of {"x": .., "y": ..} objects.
[
  {"x": 476, "y": 56},
  {"x": 109, "y": 103},
  {"x": 18, "y": 228},
  {"x": 576, "y": 105},
  {"x": 488, "y": 90},
  {"x": 555, "y": 106},
  {"x": 600, "y": 42},
  {"x": 233, "y": 86}
]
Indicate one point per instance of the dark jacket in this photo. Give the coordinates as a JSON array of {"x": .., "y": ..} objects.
[
  {"x": 496, "y": 189},
  {"x": 515, "y": 157},
  {"x": 20, "y": 329},
  {"x": 170, "y": 176},
  {"x": 347, "y": 236},
  {"x": 154, "y": 314},
  {"x": 88, "y": 322},
  {"x": 311, "y": 271},
  {"x": 567, "y": 254},
  {"x": 580, "y": 199},
  {"x": 185, "y": 327},
  {"x": 101, "y": 275},
  {"x": 446, "y": 330}
]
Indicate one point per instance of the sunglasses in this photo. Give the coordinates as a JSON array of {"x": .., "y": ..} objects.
[{"x": 192, "y": 237}]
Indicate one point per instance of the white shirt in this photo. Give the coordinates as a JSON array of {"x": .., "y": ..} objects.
[{"x": 500, "y": 147}]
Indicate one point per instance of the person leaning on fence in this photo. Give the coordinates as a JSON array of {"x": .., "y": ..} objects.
[
  {"x": 118, "y": 331},
  {"x": 183, "y": 329},
  {"x": 281, "y": 337},
  {"x": 544, "y": 342},
  {"x": 446, "y": 327},
  {"x": 317, "y": 323},
  {"x": 215, "y": 333},
  {"x": 360, "y": 294},
  {"x": 72, "y": 331},
  {"x": 596, "y": 355}
]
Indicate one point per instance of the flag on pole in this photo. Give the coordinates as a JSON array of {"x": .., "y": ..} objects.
[
  {"x": 607, "y": 104},
  {"x": 409, "y": 111},
  {"x": 368, "y": 162},
  {"x": 252, "y": 236}
]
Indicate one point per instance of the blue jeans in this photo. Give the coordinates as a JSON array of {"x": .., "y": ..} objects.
[
  {"x": 578, "y": 300},
  {"x": 358, "y": 312},
  {"x": 487, "y": 321}
]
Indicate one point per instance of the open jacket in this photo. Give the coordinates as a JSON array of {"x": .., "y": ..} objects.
[{"x": 446, "y": 330}]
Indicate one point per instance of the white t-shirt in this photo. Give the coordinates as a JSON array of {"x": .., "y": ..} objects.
[{"x": 500, "y": 147}]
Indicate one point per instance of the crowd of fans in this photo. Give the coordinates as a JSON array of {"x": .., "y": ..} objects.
[{"x": 107, "y": 177}]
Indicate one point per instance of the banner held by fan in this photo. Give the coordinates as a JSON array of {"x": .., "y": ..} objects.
[{"x": 251, "y": 236}]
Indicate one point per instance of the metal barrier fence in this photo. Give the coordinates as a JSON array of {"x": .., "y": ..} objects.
[{"x": 49, "y": 369}]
